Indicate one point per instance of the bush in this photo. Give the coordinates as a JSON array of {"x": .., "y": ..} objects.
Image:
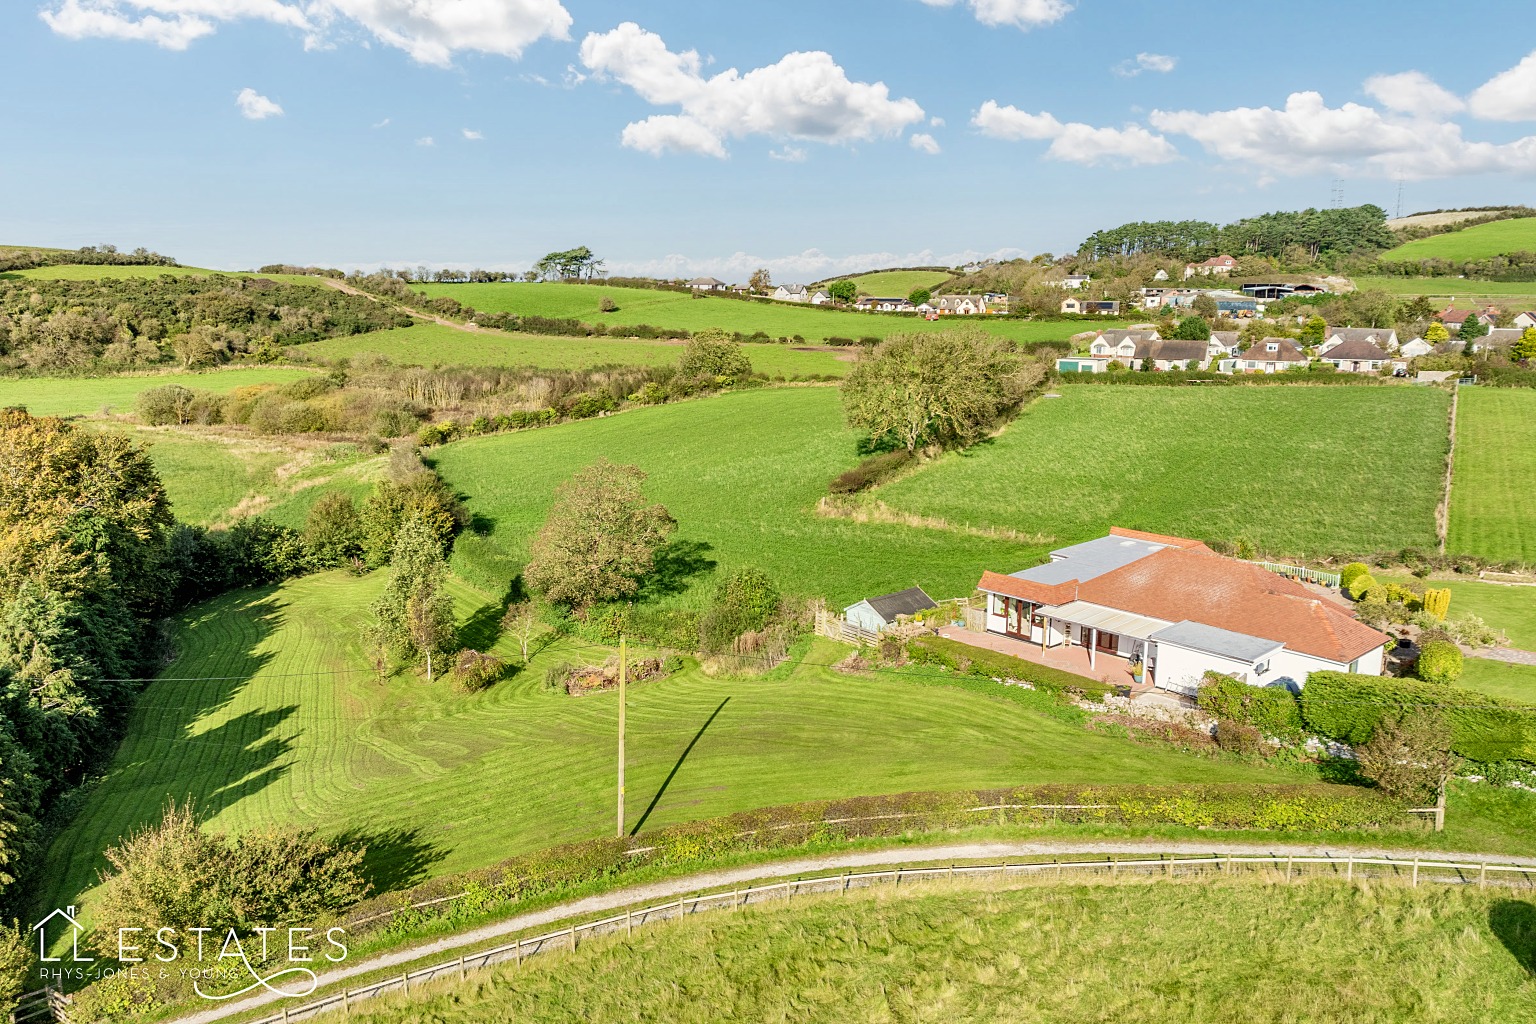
[
  {"x": 978, "y": 661},
  {"x": 1360, "y": 586},
  {"x": 333, "y": 531},
  {"x": 1438, "y": 602},
  {"x": 1237, "y": 738},
  {"x": 607, "y": 305},
  {"x": 165, "y": 406},
  {"x": 1352, "y": 571},
  {"x": 475, "y": 671},
  {"x": 873, "y": 470},
  {"x": 15, "y": 965},
  {"x": 589, "y": 404},
  {"x": 1408, "y": 758},
  {"x": 1349, "y": 707},
  {"x": 1440, "y": 661},
  {"x": 745, "y": 602},
  {"x": 1273, "y": 710}
]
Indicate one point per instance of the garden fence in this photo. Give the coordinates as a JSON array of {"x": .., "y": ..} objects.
[
  {"x": 1301, "y": 572},
  {"x": 1347, "y": 868}
]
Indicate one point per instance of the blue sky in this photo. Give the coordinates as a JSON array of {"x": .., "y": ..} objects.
[{"x": 231, "y": 133}]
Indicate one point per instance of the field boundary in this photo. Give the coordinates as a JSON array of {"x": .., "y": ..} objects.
[
  {"x": 1165, "y": 865},
  {"x": 1443, "y": 511}
]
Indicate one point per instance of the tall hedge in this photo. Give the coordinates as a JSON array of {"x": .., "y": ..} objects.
[
  {"x": 978, "y": 661},
  {"x": 1484, "y": 728}
]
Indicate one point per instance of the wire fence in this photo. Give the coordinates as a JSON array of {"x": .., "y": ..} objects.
[{"x": 569, "y": 938}]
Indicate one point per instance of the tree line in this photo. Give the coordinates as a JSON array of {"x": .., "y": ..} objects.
[
  {"x": 1287, "y": 236},
  {"x": 90, "y": 255}
]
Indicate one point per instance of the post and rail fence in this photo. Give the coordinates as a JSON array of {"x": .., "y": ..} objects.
[{"x": 1416, "y": 872}]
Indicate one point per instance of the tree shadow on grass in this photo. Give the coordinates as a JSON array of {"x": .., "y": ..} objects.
[
  {"x": 1514, "y": 922},
  {"x": 678, "y": 766},
  {"x": 394, "y": 858},
  {"x": 677, "y": 563},
  {"x": 483, "y": 628}
]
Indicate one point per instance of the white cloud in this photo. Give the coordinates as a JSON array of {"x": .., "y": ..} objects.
[
  {"x": 1309, "y": 137},
  {"x": 1509, "y": 95},
  {"x": 426, "y": 140},
  {"x": 256, "y": 107},
  {"x": 1156, "y": 62},
  {"x": 936, "y": 122},
  {"x": 382, "y": 124},
  {"x": 1075, "y": 142},
  {"x": 473, "y": 136},
  {"x": 806, "y": 97},
  {"x": 1413, "y": 92},
  {"x": 788, "y": 154},
  {"x": 1024, "y": 14},
  {"x": 810, "y": 265},
  {"x": 925, "y": 143},
  {"x": 431, "y": 31}
]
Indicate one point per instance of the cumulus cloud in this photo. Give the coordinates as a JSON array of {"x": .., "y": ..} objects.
[
  {"x": 256, "y": 107},
  {"x": 1075, "y": 142},
  {"x": 1024, "y": 14},
  {"x": 472, "y": 135},
  {"x": 805, "y": 97},
  {"x": 431, "y": 31},
  {"x": 1413, "y": 92},
  {"x": 426, "y": 140},
  {"x": 1309, "y": 137},
  {"x": 1509, "y": 95},
  {"x": 925, "y": 143},
  {"x": 1155, "y": 62}
]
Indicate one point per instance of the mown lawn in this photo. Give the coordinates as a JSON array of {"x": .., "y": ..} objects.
[
  {"x": 78, "y": 396},
  {"x": 1474, "y": 243},
  {"x": 1493, "y": 502},
  {"x": 269, "y": 715},
  {"x": 1511, "y": 609},
  {"x": 1504, "y": 294},
  {"x": 741, "y": 473},
  {"x": 1500, "y": 679},
  {"x": 1296, "y": 470},
  {"x": 1196, "y": 952},
  {"x": 433, "y": 344},
  {"x": 678, "y": 309}
]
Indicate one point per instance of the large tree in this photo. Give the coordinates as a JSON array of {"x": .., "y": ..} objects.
[
  {"x": 938, "y": 387},
  {"x": 713, "y": 353},
  {"x": 1192, "y": 328},
  {"x": 761, "y": 281},
  {"x": 600, "y": 539},
  {"x": 415, "y": 613}
]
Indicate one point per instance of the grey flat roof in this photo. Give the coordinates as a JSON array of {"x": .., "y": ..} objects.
[
  {"x": 1222, "y": 642},
  {"x": 1089, "y": 560}
]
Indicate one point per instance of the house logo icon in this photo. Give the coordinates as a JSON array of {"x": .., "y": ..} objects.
[{"x": 76, "y": 929}]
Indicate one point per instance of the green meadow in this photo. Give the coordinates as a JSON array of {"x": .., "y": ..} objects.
[
  {"x": 1504, "y": 294},
  {"x": 428, "y": 344},
  {"x": 82, "y": 396},
  {"x": 1493, "y": 505},
  {"x": 1500, "y": 679},
  {"x": 1474, "y": 243},
  {"x": 900, "y": 283},
  {"x": 1296, "y": 470},
  {"x": 670, "y": 309},
  {"x": 1085, "y": 951}
]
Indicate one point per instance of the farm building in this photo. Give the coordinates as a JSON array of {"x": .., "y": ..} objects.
[
  {"x": 878, "y": 614},
  {"x": 1180, "y": 610}
]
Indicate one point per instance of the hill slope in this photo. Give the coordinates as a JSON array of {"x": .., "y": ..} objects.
[{"x": 1475, "y": 243}]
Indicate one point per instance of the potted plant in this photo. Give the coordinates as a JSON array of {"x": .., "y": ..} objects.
[{"x": 1138, "y": 670}]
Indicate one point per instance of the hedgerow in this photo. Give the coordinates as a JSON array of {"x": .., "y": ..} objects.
[
  {"x": 1272, "y": 710},
  {"x": 1349, "y": 707},
  {"x": 978, "y": 661}
]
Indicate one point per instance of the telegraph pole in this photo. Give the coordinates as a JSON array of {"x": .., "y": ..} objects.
[{"x": 619, "y": 830}]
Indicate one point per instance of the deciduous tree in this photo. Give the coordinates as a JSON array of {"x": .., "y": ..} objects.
[
  {"x": 1525, "y": 348},
  {"x": 713, "y": 353},
  {"x": 761, "y": 281},
  {"x": 1408, "y": 758},
  {"x": 843, "y": 291},
  {"x": 1437, "y": 334},
  {"x": 600, "y": 539},
  {"x": 414, "y": 612},
  {"x": 919, "y": 296},
  {"x": 1193, "y": 328}
]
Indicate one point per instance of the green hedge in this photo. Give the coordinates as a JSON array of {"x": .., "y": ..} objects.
[
  {"x": 1273, "y": 710},
  {"x": 1484, "y": 728},
  {"x": 978, "y": 661}
]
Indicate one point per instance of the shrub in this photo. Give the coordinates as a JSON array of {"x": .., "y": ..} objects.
[
  {"x": 164, "y": 406},
  {"x": 475, "y": 671},
  {"x": 1237, "y": 738},
  {"x": 1472, "y": 631},
  {"x": 745, "y": 602},
  {"x": 711, "y": 353},
  {"x": 1273, "y": 710},
  {"x": 1440, "y": 661},
  {"x": 1349, "y": 707},
  {"x": 589, "y": 404},
  {"x": 1375, "y": 594},
  {"x": 1352, "y": 572},
  {"x": 1438, "y": 602},
  {"x": 333, "y": 531},
  {"x": 873, "y": 470},
  {"x": 1360, "y": 586},
  {"x": 1408, "y": 758},
  {"x": 607, "y": 305}
]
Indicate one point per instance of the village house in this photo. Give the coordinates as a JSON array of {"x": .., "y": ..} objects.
[
  {"x": 708, "y": 284},
  {"x": 1100, "y": 307},
  {"x": 960, "y": 305},
  {"x": 1357, "y": 355},
  {"x": 1271, "y": 355},
  {"x": 820, "y": 298},
  {"x": 1498, "y": 339},
  {"x": 1383, "y": 337},
  {"x": 1453, "y": 318},
  {"x": 1179, "y": 610},
  {"x": 1133, "y": 350},
  {"x": 884, "y": 305},
  {"x": 1415, "y": 348},
  {"x": 1524, "y": 320},
  {"x": 1076, "y": 281},
  {"x": 792, "y": 293},
  {"x": 1221, "y": 265},
  {"x": 1224, "y": 343},
  {"x": 1161, "y": 275}
]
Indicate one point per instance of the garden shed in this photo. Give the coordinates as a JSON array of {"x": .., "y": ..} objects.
[{"x": 877, "y": 614}]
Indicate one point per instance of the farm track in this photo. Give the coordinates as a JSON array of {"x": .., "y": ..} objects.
[{"x": 952, "y": 852}]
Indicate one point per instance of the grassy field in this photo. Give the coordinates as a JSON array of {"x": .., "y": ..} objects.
[
  {"x": 433, "y": 344},
  {"x": 1500, "y": 678},
  {"x": 677, "y": 309},
  {"x": 1320, "y": 952},
  {"x": 80, "y": 396},
  {"x": 1474, "y": 243},
  {"x": 89, "y": 272},
  {"x": 899, "y": 283},
  {"x": 1493, "y": 505},
  {"x": 741, "y": 473},
  {"x": 1504, "y": 294},
  {"x": 268, "y": 715},
  {"x": 1296, "y": 470}
]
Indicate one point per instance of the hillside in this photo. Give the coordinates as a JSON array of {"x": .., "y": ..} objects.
[
  {"x": 1436, "y": 220},
  {"x": 1474, "y": 243},
  {"x": 899, "y": 282}
]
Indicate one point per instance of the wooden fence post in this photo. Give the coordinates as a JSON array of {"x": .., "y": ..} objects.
[
  {"x": 405, "y": 982},
  {"x": 1415, "y": 872},
  {"x": 1349, "y": 872},
  {"x": 1482, "y": 876},
  {"x": 346, "y": 1005},
  {"x": 629, "y": 922},
  {"x": 461, "y": 968},
  {"x": 1288, "y": 862},
  {"x": 517, "y": 952}
]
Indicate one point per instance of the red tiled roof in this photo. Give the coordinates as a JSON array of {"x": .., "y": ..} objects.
[
  {"x": 1027, "y": 590},
  {"x": 1180, "y": 583},
  {"x": 1158, "y": 538}
]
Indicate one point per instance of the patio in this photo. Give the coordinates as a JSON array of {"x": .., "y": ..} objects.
[{"x": 1106, "y": 668}]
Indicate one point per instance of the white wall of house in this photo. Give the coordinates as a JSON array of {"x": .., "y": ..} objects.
[{"x": 1180, "y": 669}]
